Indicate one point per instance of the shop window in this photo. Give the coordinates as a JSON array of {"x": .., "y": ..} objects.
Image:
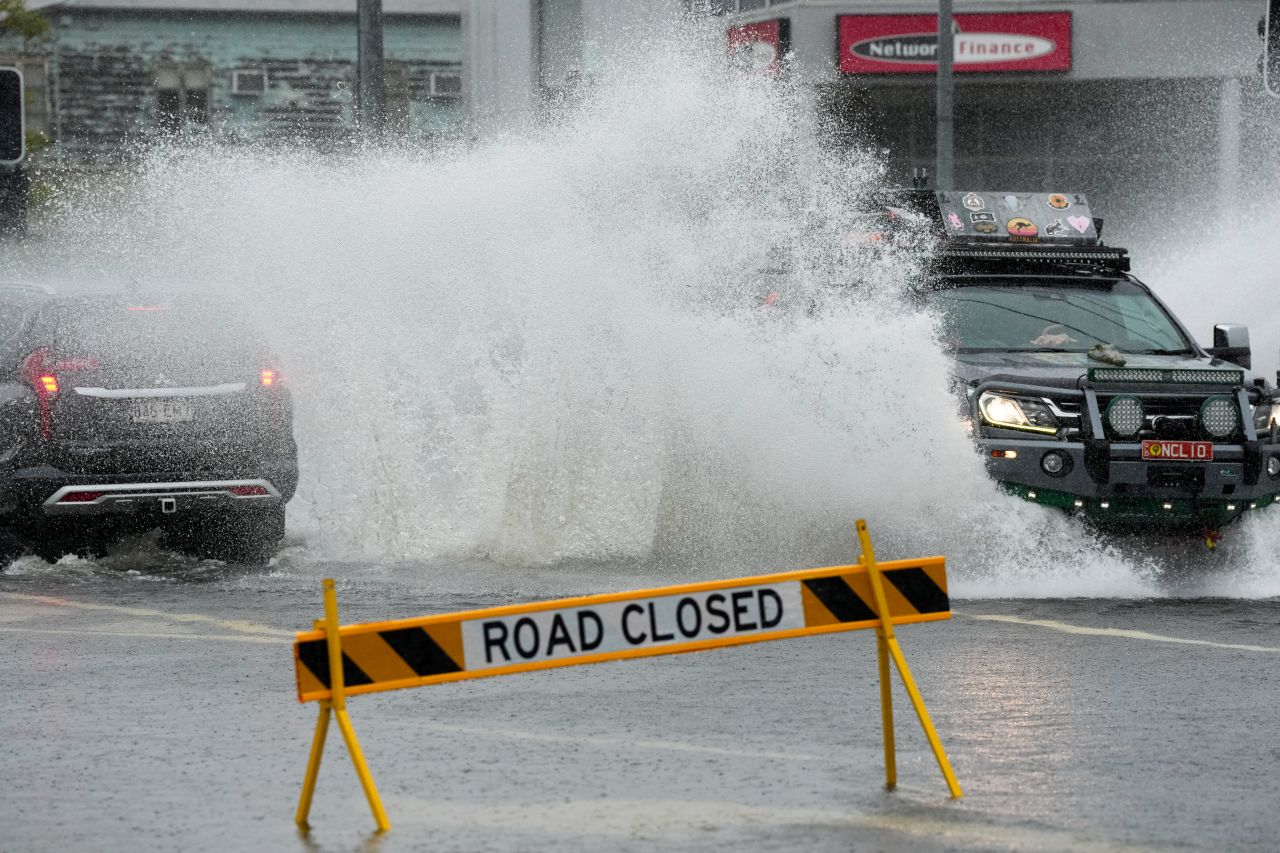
[
  {"x": 249, "y": 82},
  {"x": 182, "y": 97},
  {"x": 195, "y": 86},
  {"x": 446, "y": 84},
  {"x": 398, "y": 94}
]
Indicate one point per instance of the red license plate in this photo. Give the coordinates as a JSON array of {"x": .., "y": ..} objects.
[{"x": 1178, "y": 451}]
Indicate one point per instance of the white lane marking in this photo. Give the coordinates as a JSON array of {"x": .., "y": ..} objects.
[
  {"x": 230, "y": 624},
  {"x": 1125, "y": 633},
  {"x": 621, "y": 743},
  {"x": 226, "y": 638}
]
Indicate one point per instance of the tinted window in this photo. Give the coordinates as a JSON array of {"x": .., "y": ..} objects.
[{"x": 191, "y": 341}]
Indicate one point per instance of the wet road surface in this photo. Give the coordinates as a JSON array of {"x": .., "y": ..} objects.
[{"x": 155, "y": 711}]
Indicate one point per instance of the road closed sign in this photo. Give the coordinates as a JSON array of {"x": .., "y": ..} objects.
[
  {"x": 335, "y": 661},
  {"x": 593, "y": 629},
  {"x": 618, "y": 626}
]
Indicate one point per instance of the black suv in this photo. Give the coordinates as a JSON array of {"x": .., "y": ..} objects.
[
  {"x": 1085, "y": 392},
  {"x": 122, "y": 413}
]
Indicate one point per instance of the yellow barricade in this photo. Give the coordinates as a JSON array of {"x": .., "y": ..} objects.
[{"x": 333, "y": 662}]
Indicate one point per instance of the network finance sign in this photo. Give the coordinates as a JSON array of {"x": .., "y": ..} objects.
[{"x": 908, "y": 44}]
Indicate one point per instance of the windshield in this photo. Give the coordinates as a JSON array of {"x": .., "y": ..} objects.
[{"x": 1067, "y": 315}]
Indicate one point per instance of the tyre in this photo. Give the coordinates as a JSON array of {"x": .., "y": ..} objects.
[
  {"x": 51, "y": 541},
  {"x": 11, "y": 547}
]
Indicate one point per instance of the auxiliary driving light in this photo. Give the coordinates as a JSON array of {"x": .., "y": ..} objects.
[
  {"x": 1055, "y": 463},
  {"x": 1125, "y": 415},
  {"x": 1273, "y": 466},
  {"x": 1219, "y": 416}
]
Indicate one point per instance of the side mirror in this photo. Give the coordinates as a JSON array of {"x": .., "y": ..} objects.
[{"x": 1231, "y": 343}]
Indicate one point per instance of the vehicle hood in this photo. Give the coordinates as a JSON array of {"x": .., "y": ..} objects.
[{"x": 1067, "y": 369}]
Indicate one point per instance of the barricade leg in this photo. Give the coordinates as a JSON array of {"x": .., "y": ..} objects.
[
  {"x": 313, "y": 765},
  {"x": 337, "y": 706},
  {"x": 886, "y": 637},
  {"x": 362, "y": 770},
  {"x": 886, "y": 712},
  {"x": 925, "y": 723}
]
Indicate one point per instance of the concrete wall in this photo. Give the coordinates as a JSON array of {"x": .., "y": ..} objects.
[
  {"x": 521, "y": 53},
  {"x": 502, "y": 87}
]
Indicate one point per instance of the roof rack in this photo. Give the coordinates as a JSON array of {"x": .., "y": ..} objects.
[{"x": 1108, "y": 257}]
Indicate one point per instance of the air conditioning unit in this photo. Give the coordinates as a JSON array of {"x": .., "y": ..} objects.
[
  {"x": 446, "y": 84},
  {"x": 252, "y": 83}
]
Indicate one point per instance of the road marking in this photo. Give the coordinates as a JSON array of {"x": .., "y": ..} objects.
[
  {"x": 226, "y": 638},
  {"x": 146, "y": 613},
  {"x": 1124, "y": 633}
]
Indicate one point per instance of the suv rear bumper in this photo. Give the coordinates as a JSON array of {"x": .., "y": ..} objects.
[
  {"x": 169, "y": 498},
  {"x": 42, "y": 492}
]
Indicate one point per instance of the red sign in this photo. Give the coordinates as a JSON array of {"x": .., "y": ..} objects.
[
  {"x": 1178, "y": 451},
  {"x": 759, "y": 47},
  {"x": 908, "y": 44}
]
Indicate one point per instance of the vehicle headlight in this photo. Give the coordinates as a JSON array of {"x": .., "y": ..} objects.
[{"x": 1022, "y": 413}]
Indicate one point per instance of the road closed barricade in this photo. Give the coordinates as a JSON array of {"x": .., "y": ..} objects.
[{"x": 333, "y": 662}]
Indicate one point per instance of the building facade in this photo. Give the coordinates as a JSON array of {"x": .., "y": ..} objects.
[
  {"x": 115, "y": 75},
  {"x": 1153, "y": 107}
]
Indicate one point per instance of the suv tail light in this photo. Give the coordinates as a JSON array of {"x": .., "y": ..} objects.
[
  {"x": 43, "y": 379},
  {"x": 270, "y": 380},
  {"x": 80, "y": 497}
]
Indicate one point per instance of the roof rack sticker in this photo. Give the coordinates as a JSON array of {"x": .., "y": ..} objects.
[{"x": 1004, "y": 218}]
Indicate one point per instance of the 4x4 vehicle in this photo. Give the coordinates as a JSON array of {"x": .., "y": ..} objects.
[
  {"x": 122, "y": 413},
  {"x": 1085, "y": 392}
]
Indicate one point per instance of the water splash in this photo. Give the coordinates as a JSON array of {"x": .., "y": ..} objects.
[{"x": 555, "y": 347}]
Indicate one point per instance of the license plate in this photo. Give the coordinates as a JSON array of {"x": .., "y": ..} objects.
[
  {"x": 1178, "y": 451},
  {"x": 161, "y": 410}
]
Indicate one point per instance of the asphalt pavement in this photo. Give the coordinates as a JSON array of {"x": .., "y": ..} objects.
[{"x": 152, "y": 707}]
